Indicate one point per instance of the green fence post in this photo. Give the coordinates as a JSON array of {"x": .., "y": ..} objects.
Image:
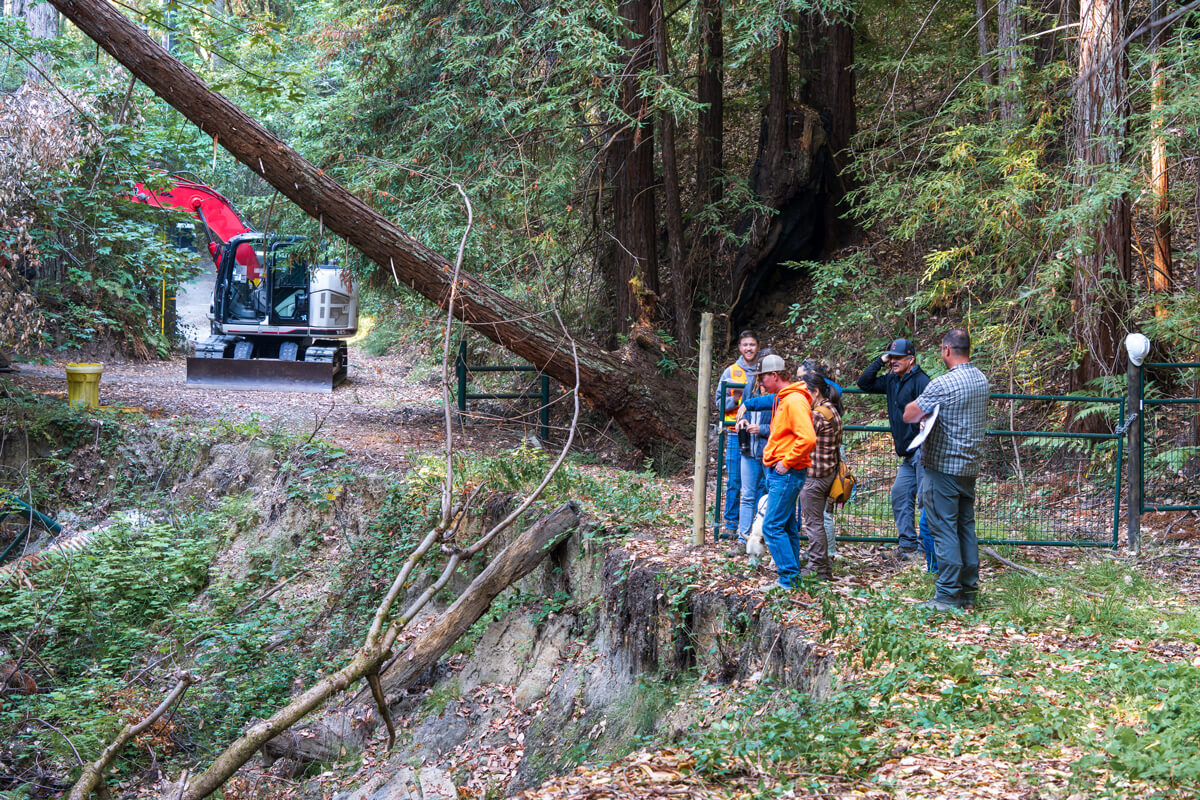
[
  {"x": 460, "y": 369},
  {"x": 1116, "y": 536},
  {"x": 717, "y": 504},
  {"x": 544, "y": 414}
]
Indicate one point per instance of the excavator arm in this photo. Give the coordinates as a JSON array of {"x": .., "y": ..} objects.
[{"x": 220, "y": 219}]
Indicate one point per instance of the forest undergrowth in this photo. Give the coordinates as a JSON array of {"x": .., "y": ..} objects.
[
  {"x": 1076, "y": 682},
  {"x": 195, "y": 530},
  {"x": 1072, "y": 684}
]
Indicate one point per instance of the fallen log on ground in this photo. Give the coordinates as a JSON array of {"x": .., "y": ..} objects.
[{"x": 350, "y": 727}]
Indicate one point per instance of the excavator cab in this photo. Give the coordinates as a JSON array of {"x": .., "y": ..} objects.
[
  {"x": 278, "y": 321},
  {"x": 265, "y": 285},
  {"x": 289, "y": 273}
]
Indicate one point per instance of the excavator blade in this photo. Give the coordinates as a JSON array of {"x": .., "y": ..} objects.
[{"x": 265, "y": 374}]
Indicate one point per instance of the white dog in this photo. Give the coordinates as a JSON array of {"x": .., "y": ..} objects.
[{"x": 754, "y": 543}]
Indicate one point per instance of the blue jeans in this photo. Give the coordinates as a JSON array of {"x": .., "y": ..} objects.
[
  {"x": 931, "y": 562},
  {"x": 950, "y": 502},
  {"x": 733, "y": 476},
  {"x": 904, "y": 500},
  {"x": 779, "y": 526},
  {"x": 754, "y": 486}
]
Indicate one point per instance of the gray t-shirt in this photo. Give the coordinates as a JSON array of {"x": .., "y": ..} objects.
[{"x": 955, "y": 445}]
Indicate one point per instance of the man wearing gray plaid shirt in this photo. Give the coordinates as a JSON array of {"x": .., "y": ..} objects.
[{"x": 951, "y": 455}]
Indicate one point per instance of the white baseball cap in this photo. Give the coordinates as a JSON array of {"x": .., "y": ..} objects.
[{"x": 771, "y": 363}]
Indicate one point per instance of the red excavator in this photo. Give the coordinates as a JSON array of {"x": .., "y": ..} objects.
[{"x": 278, "y": 322}]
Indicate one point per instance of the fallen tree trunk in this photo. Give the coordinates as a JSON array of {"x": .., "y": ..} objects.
[
  {"x": 627, "y": 386},
  {"x": 350, "y": 727}
]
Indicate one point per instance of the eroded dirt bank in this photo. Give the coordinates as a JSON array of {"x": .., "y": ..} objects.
[{"x": 629, "y": 652}]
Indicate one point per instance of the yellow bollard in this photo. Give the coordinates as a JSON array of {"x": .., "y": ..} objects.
[{"x": 83, "y": 384}]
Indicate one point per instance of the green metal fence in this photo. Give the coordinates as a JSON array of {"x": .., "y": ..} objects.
[
  {"x": 463, "y": 372},
  {"x": 1170, "y": 442},
  {"x": 1036, "y": 487}
]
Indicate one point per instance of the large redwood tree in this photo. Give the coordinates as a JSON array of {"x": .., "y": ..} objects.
[{"x": 1102, "y": 270}]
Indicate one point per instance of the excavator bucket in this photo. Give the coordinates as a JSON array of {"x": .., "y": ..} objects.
[{"x": 265, "y": 374}]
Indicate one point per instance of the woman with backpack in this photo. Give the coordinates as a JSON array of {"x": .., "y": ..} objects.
[{"x": 835, "y": 398}]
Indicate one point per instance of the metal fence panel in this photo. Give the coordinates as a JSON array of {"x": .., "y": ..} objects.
[
  {"x": 1170, "y": 442},
  {"x": 1048, "y": 487}
]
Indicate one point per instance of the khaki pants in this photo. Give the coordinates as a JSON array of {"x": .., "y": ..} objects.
[{"x": 812, "y": 517}]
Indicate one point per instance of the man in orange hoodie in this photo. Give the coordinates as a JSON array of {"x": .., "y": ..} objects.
[{"x": 786, "y": 458}]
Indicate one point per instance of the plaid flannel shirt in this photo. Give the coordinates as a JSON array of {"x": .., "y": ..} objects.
[
  {"x": 955, "y": 445},
  {"x": 827, "y": 453}
]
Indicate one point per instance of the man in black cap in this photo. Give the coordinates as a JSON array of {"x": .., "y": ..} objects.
[{"x": 902, "y": 382}]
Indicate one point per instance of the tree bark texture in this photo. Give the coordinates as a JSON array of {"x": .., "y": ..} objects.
[
  {"x": 710, "y": 122},
  {"x": 683, "y": 282},
  {"x": 1102, "y": 271},
  {"x": 983, "y": 41},
  {"x": 1161, "y": 278},
  {"x": 631, "y": 172},
  {"x": 1008, "y": 46},
  {"x": 825, "y": 52},
  {"x": 627, "y": 386},
  {"x": 786, "y": 178},
  {"x": 41, "y": 19},
  {"x": 350, "y": 727}
]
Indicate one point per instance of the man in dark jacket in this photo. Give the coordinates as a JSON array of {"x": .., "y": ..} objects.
[{"x": 902, "y": 382}]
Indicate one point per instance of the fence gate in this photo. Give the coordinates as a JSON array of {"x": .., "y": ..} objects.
[
  {"x": 1169, "y": 462},
  {"x": 463, "y": 372},
  {"x": 1035, "y": 487}
]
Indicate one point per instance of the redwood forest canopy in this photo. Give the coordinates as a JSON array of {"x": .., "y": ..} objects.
[{"x": 857, "y": 170}]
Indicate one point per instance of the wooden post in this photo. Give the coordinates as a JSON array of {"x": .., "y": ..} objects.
[
  {"x": 1133, "y": 501},
  {"x": 703, "y": 385}
]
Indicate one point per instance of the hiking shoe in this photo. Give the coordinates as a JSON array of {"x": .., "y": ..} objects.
[
  {"x": 938, "y": 606},
  {"x": 905, "y": 554},
  {"x": 812, "y": 573}
]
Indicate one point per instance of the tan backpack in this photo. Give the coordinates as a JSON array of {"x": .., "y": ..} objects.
[{"x": 842, "y": 488}]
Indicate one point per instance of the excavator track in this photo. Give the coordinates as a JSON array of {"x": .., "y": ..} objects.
[{"x": 323, "y": 369}]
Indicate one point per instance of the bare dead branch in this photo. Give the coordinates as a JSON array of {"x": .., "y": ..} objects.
[
  {"x": 267, "y": 594},
  {"x": 448, "y": 485},
  {"x": 320, "y": 422},
  {"x": 381, "y": 704},
  {"x": 1028, "y": 571},
  {"x": 65, "y": 738},
  {"x": 93, "y": 774}
]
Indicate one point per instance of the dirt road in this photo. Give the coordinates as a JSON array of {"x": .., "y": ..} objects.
[{"x": 381, "y": 415}]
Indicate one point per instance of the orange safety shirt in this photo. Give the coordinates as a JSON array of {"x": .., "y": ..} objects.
[{"x": 792, "y": 435}]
